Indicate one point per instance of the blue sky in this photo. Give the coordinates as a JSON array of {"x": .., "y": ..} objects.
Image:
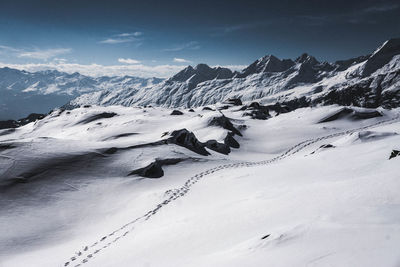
[{"x": 157, "y": 38}]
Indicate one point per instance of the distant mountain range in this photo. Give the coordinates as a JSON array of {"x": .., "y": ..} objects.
[
  {"x": 23, "y": 92},
  {"x": 367, "y": 81}
]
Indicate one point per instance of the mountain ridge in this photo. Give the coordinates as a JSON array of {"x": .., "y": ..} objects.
[
  {"x": 23, "y": 92},
  {"x": 270, "y": 79}
]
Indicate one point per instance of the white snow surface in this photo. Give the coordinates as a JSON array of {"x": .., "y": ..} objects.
[{"x": 339, "y": 206}]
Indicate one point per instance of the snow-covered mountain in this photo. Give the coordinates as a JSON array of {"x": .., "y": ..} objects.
[
  {"x": 23, "y": 92},
  {"x": 367, "y": 81}
]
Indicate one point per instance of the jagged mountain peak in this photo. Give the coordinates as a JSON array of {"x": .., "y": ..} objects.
[
  {"x": 381, "y": 56},
  {"x": 306, "y": 58},
  {"x": 389, "y": 46},
  {"x": 268, "y": 63},
  {"x": 202, "y": 67},
  {"x": 200, "y": 73}
]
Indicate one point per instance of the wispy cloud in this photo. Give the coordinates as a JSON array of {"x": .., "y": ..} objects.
[
  {"x": 381, "y": 8},
  {"x": 128, "y": 61},
  {"x": 43, "y": 54},
  {"x": 366, "y": 15},
  {"x": 181, "y": 60},
  {"x": 126, "y": 37},
  {"x": 96, "y": 70},
  {"x": 8, "y": 49},
  {"x": 227, "y": 29},
  {"x": 130, "y": 34},
  {"x": 192, "y": 45},
  {"x": 244, "y": 26}
]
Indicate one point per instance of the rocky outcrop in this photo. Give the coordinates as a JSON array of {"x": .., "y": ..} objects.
[
  {"x": 154, "y": 169},
  {"x": 103, "y": 115},
  {"x": 188, "y": 140},
  {"x": 225, "y": 123},
  {"x": 17, "y": 123},
  {"x": 218, "y": 147},
  {"x": 231, "y": 141},
  {"x": 234, "y": 101},
  {"x": 176, "y": 112},
  {"x": 351, "y": 114},
  {"x": 395, "y": 153}
]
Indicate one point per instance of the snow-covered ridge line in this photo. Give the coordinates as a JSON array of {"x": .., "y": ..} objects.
[
  {"x": 104, "y": 242},
  {"x": 366, "y": 81},
  {"x": 25, "y": 92}
]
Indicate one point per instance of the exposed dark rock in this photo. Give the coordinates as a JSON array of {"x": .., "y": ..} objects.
[
  {"x": 323, "y": 147},
  {"x": 362, "y": 115},
  {"x": 296, "y": 103},
  {"x": 111, "y": 150},
  {"x": 327, "y": 146},
  {"x": 234, "y": 101},
  {"x": 359, "y": 95},
  {"x": 224, "y": 107},
  {"x": 31, "y": 117},
  {"x": 218, "y": 147},
  {"x": 395, "y": 153},
  {"x": 207, "y": 108},
  {"x": 176, "y": 112},
  {"x": 21, "y": 122},
  {"x": 191, "y": 110},
  {"x": 265, "y": 237},
  {"x": 337, "y": 115},
  {"x": 344, "y": 64},
  {"x": 200, "y": 73},
  {"x": 258, "y": 114},
  {"x": 254, "y": 105},
  {"x": 351, "y": 114},
  {"x": 257, "y": 111},
  {"x": 267, "y": 63},
  {"x": 225, "y": 123},
  {"x": 230, "y": 141},
  {"x": 382, "y": 56},
  {"x": 154, "y": 169},
  {"x": 103, "y": 115},
  {"x": 87, "y": 106},
  {"x": 119, "y": 136},
  {"x": 182, "y": 138},
  {"x": 242, "y": 127},
  {"x": 278, "y": 108},
  {"x": 9, "y": 124},
  {"x": 188, "y": 140}
]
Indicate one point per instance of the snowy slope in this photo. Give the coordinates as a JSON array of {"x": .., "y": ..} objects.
[
  {"x": 367, "y": 81},
  {"x": 24, "y": 92},
  {"x": 281, "y": 199}
]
